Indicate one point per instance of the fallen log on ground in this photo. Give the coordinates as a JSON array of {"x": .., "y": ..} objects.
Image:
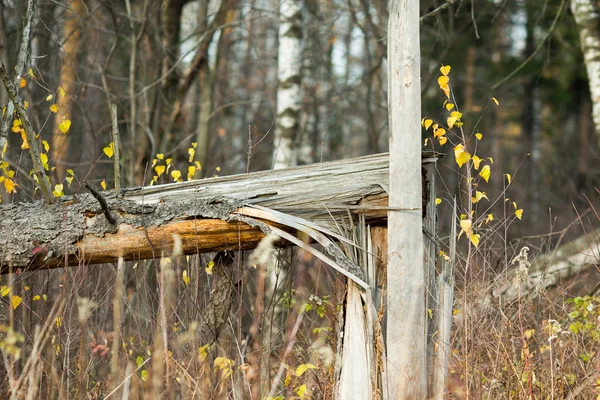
[{"x": 202, "y": 213}]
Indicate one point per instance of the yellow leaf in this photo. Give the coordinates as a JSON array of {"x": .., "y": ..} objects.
[
  {"x": 49, "y": 97},
  {"x": 218, "y": 169},
  {"x": 478, "y": 136},
  {"x": 160, "y": 156},
  {"x": 109, "y": 150},
  {"x": 15, "y": 301},
  {"x": 58, "y": 322},
  {"x": 185, "y": 277},
  {"x": 475, "y": 239},
  {"x": 144, "y": 375},
  {"x": 304, "y": 367},
  {"x": 209, "y": 268},
  {"x": 490, "y": 218},
  {"x": 478, "y": 196},
  {"x": 4, "y": 290},
  {"x": 191, "y": 172},
  {"x": 476, "y": 161},
  {"x": 198, "y": 166},
  {"x": 443, "y": 81},
  {"x": 302, "y": 392},
  {"x": 194, "y": 144},
  {"x": 485, "y": 172},
  {"x": 192, "y": 153},
  {"x": 454, "y": 117},
  {"x": 443, "y": 140},
  {"x": 425, "y": 142},
  {"x": 439, "y": 132},
  {"x": 46, "y": 145},
  {"x": 449, "y": 106},
  {"x": 103, "y": 184},
  {"x": 519, "y": 213},
  {"x": 465, "y": 226},
  {"x": 176, "y": 174},
  {"x": 69, "y": 180},
  {"x": 438, "y": 201},
  {"x": 491, "y": 160},
  {"x": 26, "y": 104},
  {"x": 22, "y": 83},
  {"x": 168, "y": 161},
  {"x": 61, "y": 91},
  {"x": 529, "y": 333},
  {"x": 70, "y": 172},
  {"x": 44, "y": 160},
  {"x": 159, "y": 169},
  {"x": 64, "y": 126},
  {"x": 495, "y": 100},
  {"x": 445, "y": 69},
  {"x": 509, "y": 178},
  {"x": 58, "y": 190},
  {"x": 36, "y": 297},
  {"x": 444, "y": 255},
  {"x": 25, "y": 144},
  {"x": 461, "y": 156},
  {"x": 9, "y": 185},
  {"x": 54, "y": 108}
]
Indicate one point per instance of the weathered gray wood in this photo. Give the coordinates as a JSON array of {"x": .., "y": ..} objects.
[
  {"x": 38, "y": 236},
  {"x": 405, "y": 304}
]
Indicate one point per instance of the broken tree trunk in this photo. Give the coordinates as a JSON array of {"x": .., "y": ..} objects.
[{"x": 203, "y": 213}]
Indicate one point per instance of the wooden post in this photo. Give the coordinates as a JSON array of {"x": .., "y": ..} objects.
[{"x": 405, "y": 303}]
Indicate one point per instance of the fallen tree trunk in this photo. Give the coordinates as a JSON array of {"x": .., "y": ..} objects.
[{"x": 202, "y": 213}]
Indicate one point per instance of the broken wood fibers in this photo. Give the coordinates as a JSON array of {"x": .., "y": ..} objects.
[{"x": 201, "y": 212}]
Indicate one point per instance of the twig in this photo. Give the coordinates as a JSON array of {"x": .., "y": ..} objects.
[
  {"x": 538, "y": 48},
  {"x": 115, "y": 137},
  {"x": 110, "y": 216},
  {"x": 437, "y": 10}
]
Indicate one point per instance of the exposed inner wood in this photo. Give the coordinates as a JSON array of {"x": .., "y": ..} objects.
[{"x": 201, "y": 212}]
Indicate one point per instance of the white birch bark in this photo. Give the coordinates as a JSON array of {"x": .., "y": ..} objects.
[
  {"x": 405, "y": 303},
  {"x": 289, "y": 74},
  {"x": 587, "y": 17}
]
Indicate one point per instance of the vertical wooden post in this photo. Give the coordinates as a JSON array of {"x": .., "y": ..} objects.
[{"x": 405, "y": 303}]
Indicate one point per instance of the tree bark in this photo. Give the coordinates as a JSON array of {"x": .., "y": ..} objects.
[
  {"x": 289, "y": 73},
  {"x": 405, "y": 304},
  {"x": 587, "y": 17},
  {"x": 68, "y": 82}
]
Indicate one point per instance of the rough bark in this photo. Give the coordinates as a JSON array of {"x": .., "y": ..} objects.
[
  {"x": 289, "y": 73},
  {"x": 68, "y": 82},
  {"x": 35, "y": 236},
  {"x": 405, "y": 304},
  {"x": 587, "y": 17}
]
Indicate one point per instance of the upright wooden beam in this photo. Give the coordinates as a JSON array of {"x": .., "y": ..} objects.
[{"x": 406, "y": 328}]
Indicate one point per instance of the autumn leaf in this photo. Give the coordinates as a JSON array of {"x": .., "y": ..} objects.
[
  {"x": 443, "y": 81},
  {"x": 439, "y": 132},
  {"x": 209, "y": 268},
  {"x": 443, "y": 140},
  {"x": 304, "y": 367},
  {"x": 302, "y": 392},
  {"x": 22, "y": 83},
  {"x": 454, "y": 117},
  {"x": 465, "y": 226},
  {"x": 191, "y": 172},
  {"x": 15, "y": 301},
  {"x": 46, "y": 145},
  {"x": 61, "y": 91},
  {"x": 4, "y": 290},
  {"x": 54, "y": 108},
  {"x": 438, "y": 201},
  {"x": 9, "y": 185},
  {"x": 445, "y": 69},
  {"x": 449, "y": 106},
  {"x": 37, "y": 297},
  {"x": 475, "y": 239},
  {"x": 479, "y": 136},
  {"x": 485, "y": 172},
  {"x": 159, "y": 169},
  {"x": 103, "y": 184},
  {"x": 160, "y": 156},
  {"x": 495, "y": 100},
  {"x": 476, "y": 161},
  {"x": 192, "y": 153},
  {"x": 58, "y": 322},
  {"x": 490, "y": 218},
  {"x": 508, "y": 178},
  {"x": 519, "y": 213},
  {"x": 478, "y": 196},
  {"x": 461, "y": 156},
  {"x": 176, "y": 174},
  {"x": 58, "y": 190},
  {"x": 64, "y": 126},
  {"x": 44, "y": 160},
  {"x": 49, "y": 97},
  {"x": 109, "y": 150},
  {"x": 185, "y": 277}
]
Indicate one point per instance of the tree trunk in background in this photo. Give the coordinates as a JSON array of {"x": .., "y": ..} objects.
[
  {"x": 587, "y": 17},
  {"x": 68, "y": 82},
  {"x": 289, "y": 73},
  {"x": 405, "y": 303},
  {"x": 308, "y": 140},
  {"x": 205, "y": 96}
]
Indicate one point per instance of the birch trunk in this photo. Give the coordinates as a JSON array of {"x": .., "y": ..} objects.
[
  {"x": 289, "y": 73},
  {"x": 405, "y": 304},
  {"x": 587, "y": 17}
]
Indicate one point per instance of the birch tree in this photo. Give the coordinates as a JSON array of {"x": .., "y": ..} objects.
[
  {"x": 406, "y": 338},
  {"x": 587, "y": 17},
  {"x": 289, "y": 74}
]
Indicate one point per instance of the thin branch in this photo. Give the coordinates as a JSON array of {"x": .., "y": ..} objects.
[
  {"x": 437, "y": 10},
  {"x": 538, "y": 48}
]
